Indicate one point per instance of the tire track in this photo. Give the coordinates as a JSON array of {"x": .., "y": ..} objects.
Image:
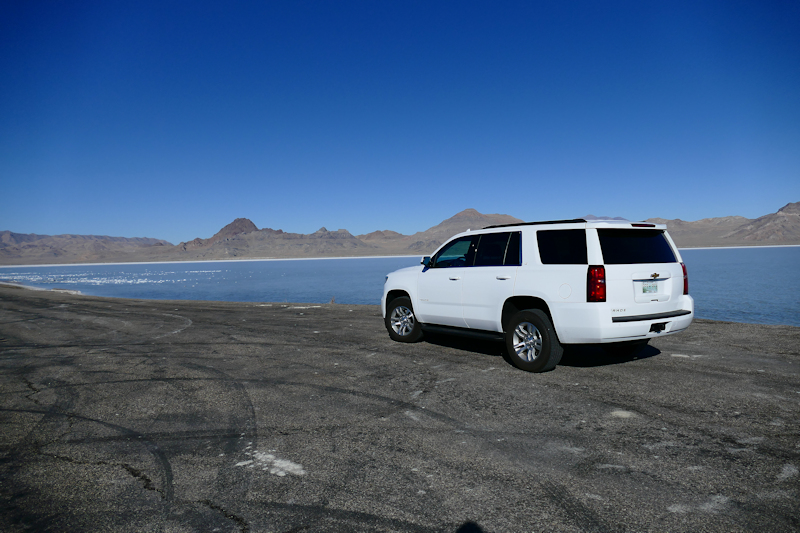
[
  {"x": 186, "y": 323},
  {"x": 127, "y": 434},
  {"x": 229, "y": 487}
]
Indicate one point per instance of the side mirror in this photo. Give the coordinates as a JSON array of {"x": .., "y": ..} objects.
[{"x": 426, "y": 261}]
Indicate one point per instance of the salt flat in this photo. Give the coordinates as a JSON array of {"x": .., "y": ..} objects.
[{"x": 134, "y": 415}]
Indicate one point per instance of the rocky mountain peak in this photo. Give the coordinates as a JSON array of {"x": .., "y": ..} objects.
[
  {"x": 237, "y": 227},
  {"x": 476, "y": 218},
  {"x": 240, "y": 225},
  {"x": 427, "y": 241},
  {"x": 467, "y": 213}
]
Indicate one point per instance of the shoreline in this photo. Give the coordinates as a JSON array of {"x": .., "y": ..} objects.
[
  {"x": 740, "y": 247},
  {"x": 255, "y": 259},
  {"x": 10, "y": 285},
  {"x": 5, "y": 284}
]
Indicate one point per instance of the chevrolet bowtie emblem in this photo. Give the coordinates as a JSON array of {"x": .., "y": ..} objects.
[{"x": 654, "y": 275}]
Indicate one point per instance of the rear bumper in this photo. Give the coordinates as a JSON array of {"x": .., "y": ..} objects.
[
  {"x": 656, "y": 316},
  {"x": 588, "y": 324}
]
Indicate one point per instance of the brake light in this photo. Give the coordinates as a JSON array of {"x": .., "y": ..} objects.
[
  {"x": 685, "y": 279},
  {"x": 596, "y": 284}
]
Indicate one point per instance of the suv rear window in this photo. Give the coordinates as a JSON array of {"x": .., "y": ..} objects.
[
  {"x": 562, "y": 247},
  {"x": 498, "y": 249},
  {"x": 631, "y": 246}
]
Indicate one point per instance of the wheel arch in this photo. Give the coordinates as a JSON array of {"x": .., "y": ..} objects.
[
  {"x": 394, "y": 294},
  {"x": 520, "y": 303}
]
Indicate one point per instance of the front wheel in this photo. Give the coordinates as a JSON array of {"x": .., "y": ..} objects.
[
  {"x": 400, "y": 321},
  {"x": 531, "y": 341}
]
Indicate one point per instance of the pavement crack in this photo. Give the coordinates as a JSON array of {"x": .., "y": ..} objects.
[
  {"x": 31, "y": 385},
  {"x": 241, "y": 522},
  {"x": 147, "y": 483},
  {"x": 33, "y": 390}
]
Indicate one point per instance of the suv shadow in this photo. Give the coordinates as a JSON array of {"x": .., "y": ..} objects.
[
  {"x": 575, "y": 355},
  {"x": 587, "y": 356},
  {"x": 495, "y": 348}
]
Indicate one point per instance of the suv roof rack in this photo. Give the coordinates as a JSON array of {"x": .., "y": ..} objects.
[{"x": 538, "y": 223}]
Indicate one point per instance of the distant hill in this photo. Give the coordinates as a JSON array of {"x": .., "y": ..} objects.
[
  {"x": 270, "y": 243},
  {"x": 237, "y": 227},
  {"x": 777, "y": 228},
  {"x": 705, "y": 232},
  {"x": 241, "y": 239},
  {"x": 385, "y": 235},
  {"x": 20, "y": 248},
  {"x": 425, "y": 242},
  {"x": 782, "y": 227}
]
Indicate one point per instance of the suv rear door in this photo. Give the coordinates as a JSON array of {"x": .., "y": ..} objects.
[{"x": 491, "y": 279}]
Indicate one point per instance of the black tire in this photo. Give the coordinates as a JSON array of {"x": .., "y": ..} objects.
[
  {"x": 401, "y": 322},
  {"x": 531, "y": 341}
]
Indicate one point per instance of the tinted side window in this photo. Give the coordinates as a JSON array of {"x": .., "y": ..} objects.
[
  {"x": 631, "y": 246},
  {"x": 514, "y": 250},
  {"x": 491, "y": 249},
  {"x": 562, "y": 247},
  {"x": 459, "y": 253}
]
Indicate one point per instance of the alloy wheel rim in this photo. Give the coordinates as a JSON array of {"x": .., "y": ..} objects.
[
  {"x": 402, "y": 320},
  {"x": 527, "y": 341}
]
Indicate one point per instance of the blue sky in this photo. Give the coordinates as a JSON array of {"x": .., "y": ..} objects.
[{"x": 169, "y": 119}]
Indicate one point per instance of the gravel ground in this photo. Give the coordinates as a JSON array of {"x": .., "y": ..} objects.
[{"x": 133, "y": 415}]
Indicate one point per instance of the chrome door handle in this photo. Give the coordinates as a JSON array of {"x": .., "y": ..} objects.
[
  {"x": 455, "y": 278},
  {"x": 503, "y": 277}
]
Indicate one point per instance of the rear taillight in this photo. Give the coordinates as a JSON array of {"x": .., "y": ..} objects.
[
  {"x": 685, "y": 280},
  {"x": 596, "y": 284}
]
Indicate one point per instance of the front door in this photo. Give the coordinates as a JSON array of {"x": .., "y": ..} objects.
[
  {"x": 439, "y": 291},
  {"x": 439, "y": 286}
]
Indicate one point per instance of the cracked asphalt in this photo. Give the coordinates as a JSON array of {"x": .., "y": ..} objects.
[{"x": 133, "y": 415}]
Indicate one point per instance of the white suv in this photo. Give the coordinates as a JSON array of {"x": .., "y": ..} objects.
[{"x": 542, "y": 285}]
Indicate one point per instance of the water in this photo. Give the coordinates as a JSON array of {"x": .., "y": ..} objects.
[
  {"x": 349, "y": 281},
  {"x": 757, "y": 285}
]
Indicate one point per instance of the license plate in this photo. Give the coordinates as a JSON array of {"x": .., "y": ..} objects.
[{"x": 649, "y": 287}]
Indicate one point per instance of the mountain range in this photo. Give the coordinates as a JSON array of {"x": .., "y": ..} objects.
[{"x": 241, "y": 239}]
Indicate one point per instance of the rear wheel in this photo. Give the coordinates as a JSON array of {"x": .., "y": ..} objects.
[
  {"x": 531, "y": 341},
  {"x": 400, "y": 321}
]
